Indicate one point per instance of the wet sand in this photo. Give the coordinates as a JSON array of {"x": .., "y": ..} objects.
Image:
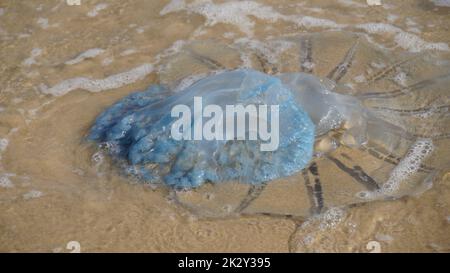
[{"x": 53, "y": 189}]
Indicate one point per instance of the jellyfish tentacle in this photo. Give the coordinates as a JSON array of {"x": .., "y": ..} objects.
[
  {"x": 292, "y": 245},
  {"x": 384, "y": 72},
  {"x": 266, "y": 65},
  {"x": 416, "y": 111},
  {"x": 262, "y": 62},
  {"x": 434, "y": 137},
  {"x": 317, "y": 190},
  {"x": 357, "y": 173},
  {"x": 207, "y": 61},
  {"x": 391, "y": 158},
  {"x": 404, "y": 90},
  {"x": 306, "y": 56},
  {"x": 430, "y": 126},
  {"x": 380, "y": 130},
  {"x": 310, "y": 191},
  {"x": 274, "y": 215},
  {"x": 342, "y": 68},
  {"x": 253, "y": 193}
]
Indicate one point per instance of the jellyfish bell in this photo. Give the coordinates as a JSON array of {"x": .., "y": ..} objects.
[{"x": 143, "y": 132}]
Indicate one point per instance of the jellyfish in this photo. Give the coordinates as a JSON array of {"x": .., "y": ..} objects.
[
  {"x": 357, "y": 122},
  {"x": 139, "y": 128}
]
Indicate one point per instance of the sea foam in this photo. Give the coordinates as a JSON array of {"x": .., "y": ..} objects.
[
  {"x": 90, "y": 53},
  {"x": 97, "y": 85},
  {"x": 240, "y": 13}
]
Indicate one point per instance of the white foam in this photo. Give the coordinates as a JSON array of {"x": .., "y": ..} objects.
[
  {"x": 140, "y": 30},
  {"x": 374, "y": 2},
  {"x": 97, "y": 85},
  {"x": 378, "y": 28},
  {"x": 308, "y": 21},
  {"x": 271, "y": 49},
  {"x": 414, "y": 30},
  {"x": 308, "y": 65},
  {"x": 400, "y": 79},
  {"x": 128, "y": 52},
  {"x": 235, "y": 13},
  {"x": 173, "y": 6},
  {"x": 408, "y": 166},
  {"x": 98, "y": 158},
  {"x": 198, "y": 32},
  {"x": 90, "y": 53},
  {"x": 403, "y": 39},
  {"x": 392, "y": 18},
  {"x": 107, "y": 61},
  {"x": 313, "y": 9},
  {"x": 413, "y": 43},
  {"x": 43, "y": 22},
  {"x": 32, "y": 194},
  {"x": 331, "y": 218},
  {"x": 240, "y": 13},
  {"x": 3, "y": 144},
  {"x": 308, "y": 239},
  {"x": 5, "y": 182},
  {"x": 96, "y": 9},
  {"x": 359, "y": 79},
  {"x": 36, "y": 52},
  {"x": 172, "y": 50},
  {"x": 441, "y": 3},
  {"x": 351, "y": 3},
  {"x": 229, "y": 35},
  {"x": 113, "y": 81}
]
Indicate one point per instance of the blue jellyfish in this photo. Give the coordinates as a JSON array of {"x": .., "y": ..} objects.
[{"x": 138, "y": 133}]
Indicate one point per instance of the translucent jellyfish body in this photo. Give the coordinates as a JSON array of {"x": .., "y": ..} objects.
[
  {"x": 380, "y": 120},
  {"x": 138, "y": 130}
]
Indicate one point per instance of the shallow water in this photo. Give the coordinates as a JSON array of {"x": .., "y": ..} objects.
[{"x": 63, "y": 65}]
